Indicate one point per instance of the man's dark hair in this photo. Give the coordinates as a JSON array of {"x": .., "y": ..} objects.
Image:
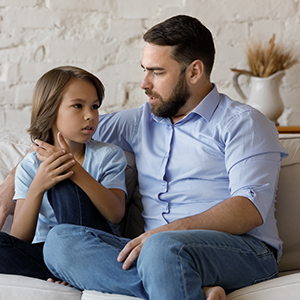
[{"x": 189, "y": 38}]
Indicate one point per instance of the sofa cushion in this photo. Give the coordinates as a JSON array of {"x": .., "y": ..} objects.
[
  {"x": 288, "y": 204},
  {"x": 15, "y": 287},
  {"x": 286, "y": 287},
  {"x": 93, "y": 295},
  {"x": 13, "y": 147}
]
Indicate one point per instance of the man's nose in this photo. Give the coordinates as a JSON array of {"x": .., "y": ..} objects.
[{"x": 146, "y": 83}]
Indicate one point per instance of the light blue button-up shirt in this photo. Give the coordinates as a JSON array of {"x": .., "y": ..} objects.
[{"x": 222, "y": 148}]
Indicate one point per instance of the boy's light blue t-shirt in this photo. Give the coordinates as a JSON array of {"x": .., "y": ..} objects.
[{"x": 104, "y": 162}]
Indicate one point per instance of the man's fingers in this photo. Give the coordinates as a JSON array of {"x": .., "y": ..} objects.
[
  {"x": 2, "y": 220},
  {"x": 43, "y": 149},
  {"x": 130, "y": 252},
  {"x": 127, "y": 249},
  {"x": 132, "y": 257},
  {"x": 45, "y": 146}
]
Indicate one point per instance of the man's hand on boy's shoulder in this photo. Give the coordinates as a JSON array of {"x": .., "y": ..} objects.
[
  {"x": 7, "y": 205},
  {"x": 45, "y": 150}
]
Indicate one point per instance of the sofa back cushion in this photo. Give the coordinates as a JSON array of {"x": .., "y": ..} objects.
[
  {"x": 13, "y": 147},
  {"x": 288, "y": 204}
]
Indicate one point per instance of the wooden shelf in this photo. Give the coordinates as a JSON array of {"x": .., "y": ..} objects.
[{"x": 288, "y": 129}]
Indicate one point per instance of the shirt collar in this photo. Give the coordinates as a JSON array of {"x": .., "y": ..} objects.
[{"x": 205, "y": 108}]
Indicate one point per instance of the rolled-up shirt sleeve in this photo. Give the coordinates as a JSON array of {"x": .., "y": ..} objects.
[
  {"x": 256, "y": 178},
  {"x": 253, "y": 157}
]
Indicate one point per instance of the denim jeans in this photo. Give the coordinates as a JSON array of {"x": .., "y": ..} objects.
[
  {"x": 22, "y": 258},
  {"x": 171, "y": 265},
  {"x": 71, "y": 205}
]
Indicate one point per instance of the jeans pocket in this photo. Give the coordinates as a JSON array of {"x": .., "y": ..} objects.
[{"x": 257, "y": 246}]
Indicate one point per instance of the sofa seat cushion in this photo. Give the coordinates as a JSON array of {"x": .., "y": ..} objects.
[
  {"x": 285, "y": 287},
  {"x": 93, "y": 295},
  {"x": 14, "y": 287}
]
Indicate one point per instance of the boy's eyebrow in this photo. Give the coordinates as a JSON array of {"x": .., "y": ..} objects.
[
  {"x": 82, "y": 100},
  {"x": 153, "y": 68}
]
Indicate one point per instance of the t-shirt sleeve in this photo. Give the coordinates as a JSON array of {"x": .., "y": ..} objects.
[
  {"x": 113, "y": 175},
  {"x": 24, "y": 175}
]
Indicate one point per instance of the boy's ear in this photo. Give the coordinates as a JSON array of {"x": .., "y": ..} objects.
[{"x": 196, "y": 70}]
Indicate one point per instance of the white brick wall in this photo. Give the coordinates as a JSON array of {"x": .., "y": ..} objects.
[{"x": 104, "y": 37}]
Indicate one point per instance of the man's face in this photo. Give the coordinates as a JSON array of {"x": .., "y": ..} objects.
[{"x": 164, "y": 81}]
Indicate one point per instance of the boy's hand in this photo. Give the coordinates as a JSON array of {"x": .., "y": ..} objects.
[
  {"x": 45, "y": 150},
  {"x": 53, "y": 170}
]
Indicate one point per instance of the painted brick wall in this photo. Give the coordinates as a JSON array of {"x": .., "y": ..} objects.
[{"x": 104, "y": 37}]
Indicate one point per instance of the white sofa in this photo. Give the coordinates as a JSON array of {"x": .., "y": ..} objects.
[{"x": 13, "y": 146}]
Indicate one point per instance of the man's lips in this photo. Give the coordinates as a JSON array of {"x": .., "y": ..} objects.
[{"x": 152, "y": 98}]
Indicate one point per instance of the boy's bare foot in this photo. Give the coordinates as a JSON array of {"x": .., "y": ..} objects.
[
  {"x": 214, "y": 293},
  {"x": 59, "y": 282}
]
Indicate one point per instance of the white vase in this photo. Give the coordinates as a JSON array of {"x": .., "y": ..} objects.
[{"x": 264, "y": 94}]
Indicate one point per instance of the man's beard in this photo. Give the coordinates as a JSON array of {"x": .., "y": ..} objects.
[{"x": 168, "y": 108}]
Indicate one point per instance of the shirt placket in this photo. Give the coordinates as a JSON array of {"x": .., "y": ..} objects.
[{"x": 164, "y": 183}]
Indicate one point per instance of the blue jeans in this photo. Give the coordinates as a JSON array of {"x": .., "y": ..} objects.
[
  {"x": 171, "y": 265},
  {"x": 71, "y": 205},
  {"x": 22, "y": 258}
]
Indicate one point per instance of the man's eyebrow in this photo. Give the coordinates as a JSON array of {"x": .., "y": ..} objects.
[{"x": 153, "y": 68}]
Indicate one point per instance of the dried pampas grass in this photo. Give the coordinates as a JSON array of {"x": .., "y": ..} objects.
[{"x": 267, "y": 59}]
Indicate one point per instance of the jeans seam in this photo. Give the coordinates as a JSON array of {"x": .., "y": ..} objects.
[
  {"x": 274, "y": 275},
  {"x": 79, "y": 205},
  {"x": 266, "y": 255},
  {"x": 182, "y": 272}
]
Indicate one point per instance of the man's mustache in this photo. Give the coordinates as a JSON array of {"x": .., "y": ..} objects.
[{"x": 152, "y": 94}]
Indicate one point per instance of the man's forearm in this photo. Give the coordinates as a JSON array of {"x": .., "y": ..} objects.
[
  {"x": 236, "y": 215},
  {"x": 7, "y": 204}
]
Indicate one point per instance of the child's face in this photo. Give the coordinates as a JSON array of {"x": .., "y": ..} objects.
[{"x": 77, "y": 116}]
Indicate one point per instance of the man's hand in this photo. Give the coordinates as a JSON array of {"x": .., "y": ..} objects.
[
  {"x": 45, "y": 150},
  {"x": 236, "y": 215},
  {"x": 132, "y": 250},
  {"x": 7, "y": 205}
]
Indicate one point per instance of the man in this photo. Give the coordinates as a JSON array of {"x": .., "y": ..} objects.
[{"x": 208, "y": 170}]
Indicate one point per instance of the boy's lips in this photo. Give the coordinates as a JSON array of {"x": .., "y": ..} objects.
[{"x": 88, "y": 129}]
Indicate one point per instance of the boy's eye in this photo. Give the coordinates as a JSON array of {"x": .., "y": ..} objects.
[
  {"x": 78, "y": 105},
  {"x": 95, "y": 106}
]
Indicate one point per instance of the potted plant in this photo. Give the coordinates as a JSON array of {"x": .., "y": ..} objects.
[{"x": 267, "y": 63}]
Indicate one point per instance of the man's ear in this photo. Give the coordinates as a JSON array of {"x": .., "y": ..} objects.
[{"x": 196, "y": 70}]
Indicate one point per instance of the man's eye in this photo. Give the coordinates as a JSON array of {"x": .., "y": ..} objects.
[
  {"x": 77, "y": 105},
  {"x": 157, "y": 73}
]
